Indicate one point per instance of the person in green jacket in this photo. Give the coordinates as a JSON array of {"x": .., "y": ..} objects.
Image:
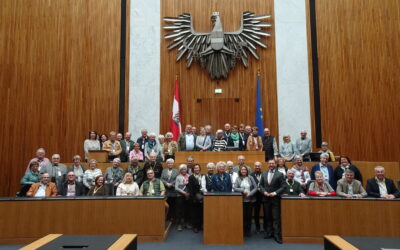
[{"x": 32, "y": 176}]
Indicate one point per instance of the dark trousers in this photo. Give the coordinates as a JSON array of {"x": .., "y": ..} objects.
[
  {"x": 112, "y": 157},
  {"x": 24, "y": 189},
  {"x": 112, "y": 189},
  {"x": 269, "y": 156},
  {"x": 247, "y": 209},
  {"x": 256, "y": 209},
  {"x": 196, "y": 214},
  {"x": 171, "y": 210},
  {"x": 272, "y": 216},
  {"x": 182, "y": 210}
]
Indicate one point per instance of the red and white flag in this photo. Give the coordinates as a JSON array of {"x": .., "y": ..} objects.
[{"x": 175, "y": 125}]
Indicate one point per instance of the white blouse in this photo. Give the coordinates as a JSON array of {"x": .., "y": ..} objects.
[
  {"x": 128, "y": 189},
  {"x": 297, "y": 176},
  {"x": 245, "y": 184}
]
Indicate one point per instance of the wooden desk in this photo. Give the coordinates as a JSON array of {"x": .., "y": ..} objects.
[
  {"x": 307, "y": 220},
  {"x": 23, "y": 220},
  {"x": 98, "y": 155},
  {"x": 223, "y": 219},
  {"x": 209, "y": 156}
]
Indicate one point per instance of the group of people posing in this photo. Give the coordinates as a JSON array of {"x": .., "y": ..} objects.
[
  {"x": 185, "y": 186},
  {"x": 233, "y": 138}
]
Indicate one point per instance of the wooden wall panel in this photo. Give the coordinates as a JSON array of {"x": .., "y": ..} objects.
[
  {"x": 359, "y": 51},
  {"x": 59, "y": 77},
  {"x": 241, "y": 83}
]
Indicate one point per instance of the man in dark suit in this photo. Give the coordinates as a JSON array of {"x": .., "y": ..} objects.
[
  {"x": 326, "y": 169},
  {"x": 227, "y": 131},
  {"x": 259, "y": 197},
  {"x": 269, "y": 145},
  {"x": 72, "y": 187},
  {"x": 142, "y": 140},
  {"x": 381, "y": 187},
  {"x": 271, "y": 186},
  {"x": 127, "y": 146},
  {"x": 187, "y": 140},
  {"x": 246, "y": 134}
]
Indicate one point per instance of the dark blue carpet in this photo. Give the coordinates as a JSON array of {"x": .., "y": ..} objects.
[{"x": 186, "y": 240}]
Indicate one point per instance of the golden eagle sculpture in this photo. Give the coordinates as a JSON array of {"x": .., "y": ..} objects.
[{"x": 217, "y": 51}]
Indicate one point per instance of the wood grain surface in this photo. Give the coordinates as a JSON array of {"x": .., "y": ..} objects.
[
  {"x": 59, "y": 78},
  {"x": 218, "y": 109},
  {"x": 358, "y": 52}
]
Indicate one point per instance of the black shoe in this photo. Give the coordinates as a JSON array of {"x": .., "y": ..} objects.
[
  {"x": 267, "y": 236},
  {"x": 279, "y": 241}
]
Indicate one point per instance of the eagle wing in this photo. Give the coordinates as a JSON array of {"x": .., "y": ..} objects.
[
  {"x": 183, "y": 34},
  {"x": 248, "y": 36}
]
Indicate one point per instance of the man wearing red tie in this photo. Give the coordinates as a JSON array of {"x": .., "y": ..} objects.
[{"x": 271, "y": 186}]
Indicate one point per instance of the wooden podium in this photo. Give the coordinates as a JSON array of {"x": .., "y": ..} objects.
[
  {"x": 223, "y": 219},
  {"x": 98, "y": 155}
]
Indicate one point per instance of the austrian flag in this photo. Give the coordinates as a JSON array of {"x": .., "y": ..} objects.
[{"x": 175, "y": 124}]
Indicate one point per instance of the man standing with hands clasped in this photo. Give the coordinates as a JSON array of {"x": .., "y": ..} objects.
[{"x": 271, "y": 187}]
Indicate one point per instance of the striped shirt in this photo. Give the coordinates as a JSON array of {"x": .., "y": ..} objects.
[{"x": 220, "y": 145}]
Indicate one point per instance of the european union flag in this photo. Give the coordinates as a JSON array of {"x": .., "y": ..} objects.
[{"x": 259, "y": 112}]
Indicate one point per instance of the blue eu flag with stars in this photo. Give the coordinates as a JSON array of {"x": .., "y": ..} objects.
[{"x": 259, "y": 111}]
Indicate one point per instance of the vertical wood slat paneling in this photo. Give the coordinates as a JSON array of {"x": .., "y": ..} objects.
[
  {"x": 59, "y": 77},
  {"x": 359, "y": 51},
  {"x": 196, "y": 83}
]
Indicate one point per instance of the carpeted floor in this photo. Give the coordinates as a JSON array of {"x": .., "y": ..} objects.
[{"x": 187, "y": 240}]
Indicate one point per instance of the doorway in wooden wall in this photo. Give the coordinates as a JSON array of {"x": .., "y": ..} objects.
[{"x": 217, "y": 112}]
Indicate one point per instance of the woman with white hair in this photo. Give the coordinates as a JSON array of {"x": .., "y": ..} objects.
[
  {"x": 301, "y": 173},
  {"x": 182, "y": 200},
  {"x": 219, "y": 143},
  {"x": 91, "y": 174},
  {"x": 128, "y": 187},
  {"x": 320, "y": 187},
  {"x": 152, "y": 146},
  {"x": 221, "y": 181},
  {"x": 169, "y": 146}
]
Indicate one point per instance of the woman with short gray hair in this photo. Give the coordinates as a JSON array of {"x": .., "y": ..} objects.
[{"x": 182, "y": 200}]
